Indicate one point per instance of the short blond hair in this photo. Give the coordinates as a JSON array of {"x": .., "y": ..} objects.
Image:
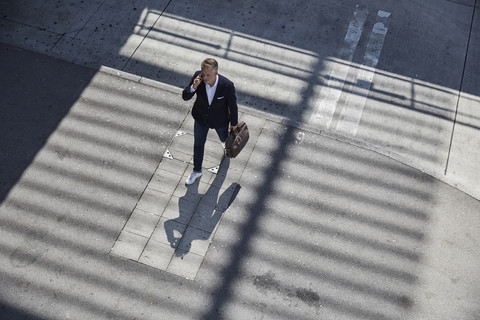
[{"x": 210, "y": 62}]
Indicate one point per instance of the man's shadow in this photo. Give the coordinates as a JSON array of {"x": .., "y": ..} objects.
[{"x": 199, "y": 214}]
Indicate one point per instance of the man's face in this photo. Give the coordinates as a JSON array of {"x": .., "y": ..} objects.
[{"x": 209, "y": 75}]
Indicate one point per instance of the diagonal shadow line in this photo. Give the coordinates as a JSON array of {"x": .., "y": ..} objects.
[
  {"x": 115, "y": 128},
  {"x": 329, "y": 302},
  {"x": 72, "y": 133},
  {"x": 336, "y": 211},
  {"x": 90, "y": 278},
  {"x": 229, "y": 275},
  {"x": 257, "y": 102},
  {"x": 34, "y": 209},
  {"x": 388, "y": 204},
  {"x": 68, "y": 297},
  {"x": 32, "y": 106},
  {"x": 87, "y": 158},
  {"x": 223, "y": 294},
  {"x": 347, "y": 259},
  {"x": 70, "y": 196},
  {"x": 440, "y": 112},
  {"x": 331, "y": 171},
  {"x": 83, "y": 179},
  {"x": 197, "y": 23},
  {"x": 360, "y": 67},
  {"x": 135, "y": 105},
  {"x": 276, "y": 71},
  {"x": 241, "y": 249},
  {"x": 14, "y": 313},
  {"x": 251, "y": 226},
  {"x": 265, "y": 190},
  {"x": 246, "y": 54},
  {"x": 348, "y": 237},
  {"x": 386, "y": 99}
]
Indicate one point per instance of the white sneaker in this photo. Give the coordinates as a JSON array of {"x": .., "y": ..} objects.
[{"x": 194, "y": 176}]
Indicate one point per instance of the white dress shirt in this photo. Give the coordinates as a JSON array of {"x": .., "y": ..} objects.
[{"x": 210, "y": 90}]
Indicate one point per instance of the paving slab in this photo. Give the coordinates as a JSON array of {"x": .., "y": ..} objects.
[
  {"x": 129, "y": 245},
  {"x": 185, "y": 265},
  {"x": 142, "y": 223},
  {"x": 164, "y": 181},
  {"x": 157, "y": 254}
]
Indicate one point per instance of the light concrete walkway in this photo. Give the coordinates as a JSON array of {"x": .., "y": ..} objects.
[{"x": 173, "y": 225}]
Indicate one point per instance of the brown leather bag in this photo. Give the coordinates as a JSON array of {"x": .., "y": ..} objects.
[{"x": 236, "y": 140}]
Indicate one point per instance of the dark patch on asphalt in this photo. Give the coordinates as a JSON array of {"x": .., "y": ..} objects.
[
  {"x": 308, "y": 296},
  {"x": 267, "y": 282}
]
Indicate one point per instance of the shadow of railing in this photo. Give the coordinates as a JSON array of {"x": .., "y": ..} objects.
[
  {"x": 69, "y": 179},
  {"x": 15, "y": 313},
  {"x": 75, "y": 208},
  {"x": 282, "y": 60},
  {"x": 324, "y": 231},
  {"x": 28, "y": 116}
]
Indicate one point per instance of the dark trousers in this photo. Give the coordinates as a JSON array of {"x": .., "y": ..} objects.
[{"x": 200, "y": 132}]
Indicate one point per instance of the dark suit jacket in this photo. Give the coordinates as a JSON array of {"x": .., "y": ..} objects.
[{"x": 222, "y": 111}]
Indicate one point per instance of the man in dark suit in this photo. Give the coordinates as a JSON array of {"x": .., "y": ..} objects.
[{"x": 215, "y": 108}]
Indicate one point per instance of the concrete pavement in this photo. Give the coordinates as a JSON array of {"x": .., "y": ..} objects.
[{"x": 326, "y": 215}]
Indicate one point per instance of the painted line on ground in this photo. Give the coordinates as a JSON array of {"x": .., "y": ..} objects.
[
  {"x": 330, "y": 93},
  {"x": 356, "y": 100}
]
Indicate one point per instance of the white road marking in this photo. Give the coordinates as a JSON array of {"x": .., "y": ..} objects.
[
  {"x": 330, "y": 93},
  {"x": 353, "y": 110},
  {"x": 383, "y": 14}
]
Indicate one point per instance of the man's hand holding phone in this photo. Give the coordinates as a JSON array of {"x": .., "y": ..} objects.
[{"x": 197, "y": 81}]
